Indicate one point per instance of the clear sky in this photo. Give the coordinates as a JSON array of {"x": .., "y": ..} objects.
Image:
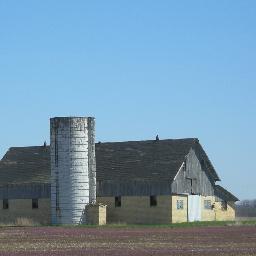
[{"x": 141, "y": 67}]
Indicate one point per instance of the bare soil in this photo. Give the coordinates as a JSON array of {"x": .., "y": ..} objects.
[{"x": 137, "y": 241}]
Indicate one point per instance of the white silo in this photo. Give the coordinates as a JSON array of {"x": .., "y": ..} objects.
[{"x": 73, "y": 168}]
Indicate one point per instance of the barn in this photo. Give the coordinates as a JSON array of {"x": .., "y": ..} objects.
[{"x": 138, "y": 182}]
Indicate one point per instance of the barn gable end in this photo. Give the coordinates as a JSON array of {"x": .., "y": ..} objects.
[{"x": 193, "y": 177}]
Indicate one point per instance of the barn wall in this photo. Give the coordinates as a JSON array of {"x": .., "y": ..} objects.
[
  {"x": 25, "y": 191},
  {"x": 137, "y": 210},
  {"x": 110, "y": 188},
  {"x": 207, "y": 214},
  {"x": 20, "y": 212},
  {"x": 133, "y": 210},
  {"x": 179, "y": 215},
  {"x": 225, "y": 215},
  {"x": 192, "y": 170}
]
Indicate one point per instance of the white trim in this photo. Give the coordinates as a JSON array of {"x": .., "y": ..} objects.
[{"x": 179, "y": 170}]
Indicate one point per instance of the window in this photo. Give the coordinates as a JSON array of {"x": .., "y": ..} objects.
[
  {"x": 180, "y": 205},
  {"x": 118, "y": 201},
  {"x": 207, "y": 204},
  {"x": 224, "y": 205},
  {"x": 5, "y": 204},
  {"x": 35, "y": 203},
  {"x": 153, "y": 201}
]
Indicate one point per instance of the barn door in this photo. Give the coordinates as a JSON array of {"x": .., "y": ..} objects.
[{"x": 194, "y": 208}]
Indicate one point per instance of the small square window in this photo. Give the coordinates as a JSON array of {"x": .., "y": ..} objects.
[
  {"x": 180, "y": 205},
  {"x": 224, "y": 205},
  {"x": 207, "y": 204},
  {"x": 153, "y": 201},
  {"x": 5, "y": 204},
  {"x": 35, "y": 203},
  {"x": 118, "y": 202}
]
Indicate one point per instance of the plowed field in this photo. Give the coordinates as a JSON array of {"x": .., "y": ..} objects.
[{"x": 233, "y": 240}]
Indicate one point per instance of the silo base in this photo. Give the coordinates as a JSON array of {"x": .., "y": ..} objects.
[{"x": 96, "y": 214}]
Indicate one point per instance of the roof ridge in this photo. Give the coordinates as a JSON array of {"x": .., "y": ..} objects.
[
  {"x": 41, "y": 146},
  {"x": 160, "y": 140},
  {"x": 125, "y": 141}
]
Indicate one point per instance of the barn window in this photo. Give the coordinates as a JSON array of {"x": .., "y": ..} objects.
[
  {"x": 5, "y": 204},
  {"x": 207, "y": 204},
  {"x": 35, "y": 203},
  {"x": 153, "y": 201},
  {"x": 224, "y": 205},
  {"x": 180, "y": 205},
  {"x": 118, "y": 201}
]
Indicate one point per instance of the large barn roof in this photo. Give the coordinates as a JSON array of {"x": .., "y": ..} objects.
[
  {"x": 131, "y": 160},
  {"x": 25, "y": 165},
  {"x": 146, "y": 160}
]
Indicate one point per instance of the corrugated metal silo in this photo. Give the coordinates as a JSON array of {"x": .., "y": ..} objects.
[{"x": 73, "y": 168}]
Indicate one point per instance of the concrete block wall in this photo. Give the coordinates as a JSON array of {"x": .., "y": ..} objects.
[
  {"x": 207, "y": 214},
  {"x": 20, "y": 210},
  {"x": 225, "y": 215},
  {"x": 133, "y": 210},
  {"x": 179, "y": 215},
  {"x": 137, "y": 210}
]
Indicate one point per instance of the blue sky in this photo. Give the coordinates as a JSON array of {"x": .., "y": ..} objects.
[{"x": 174, "y": 68}]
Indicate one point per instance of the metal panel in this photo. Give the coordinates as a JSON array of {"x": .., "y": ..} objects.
[{"x": 72, "y": 168}]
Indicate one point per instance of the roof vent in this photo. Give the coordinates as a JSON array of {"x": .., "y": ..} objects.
[
  {"x": 45, "y": 144},
  {"x": 157, "y": 137}
]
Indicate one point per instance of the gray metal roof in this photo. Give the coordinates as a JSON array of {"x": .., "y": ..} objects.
[
  {"x": 146, "y": 160},
  {"x": 224, "y": 194},
  {"x": 25, "y": 165},
  {"x": 131, "y": 160}
]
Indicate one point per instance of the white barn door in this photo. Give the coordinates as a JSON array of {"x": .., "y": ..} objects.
[{"x": 194, "y": 208}]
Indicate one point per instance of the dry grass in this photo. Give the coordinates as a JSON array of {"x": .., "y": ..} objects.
[
  {"x": 20, "y": 222},
  {"x": 25, "y": 222}
]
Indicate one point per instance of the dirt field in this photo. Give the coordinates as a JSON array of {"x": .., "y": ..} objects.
[{"x": 234, "y": 240}]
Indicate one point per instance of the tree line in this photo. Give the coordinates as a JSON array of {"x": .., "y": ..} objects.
[{"x": 246, "y": 208}]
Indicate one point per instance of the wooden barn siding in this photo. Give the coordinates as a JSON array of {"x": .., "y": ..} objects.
[
  {"x": 133, "y": 188},
  {"x": 25, "y": 191},
  {"x": 202, "y": 184}
]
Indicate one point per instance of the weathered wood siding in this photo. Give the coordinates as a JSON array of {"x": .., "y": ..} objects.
[
  {"x": 25, "y": 191},
  {"x": 133, "y": 188},
  {"x": 192, "y": 178}
]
